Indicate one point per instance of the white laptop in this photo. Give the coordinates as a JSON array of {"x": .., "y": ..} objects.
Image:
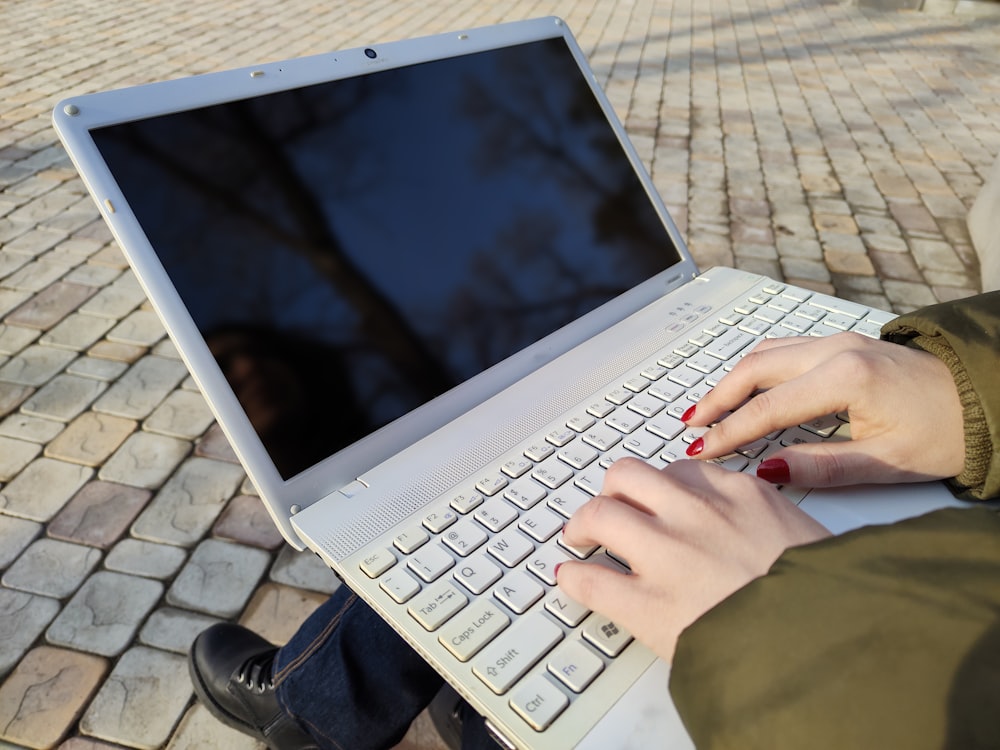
[{"x": 431, "y": 294}]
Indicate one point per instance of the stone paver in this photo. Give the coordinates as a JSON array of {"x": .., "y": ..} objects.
[
  {"x": 105, "y": 613},
  {"x": 144, "y": 459},
  {"x": 141, "y": 700},
  {"x": 146, "y": 559},
  {"x": 832, "y": 146},
  {"x": 189, "y": 503},
  {"x": 142, "y": 387},
  {"x": 99, "y": 514},
  {"x": 23, "y": 617},
  {"x": 41, "y": 700},
  {"x": 42, "y": 488},
  {"x": 51, "y": 568},
  {"x": 63, "y": 397},
  {"x": 219, "y": 578}
]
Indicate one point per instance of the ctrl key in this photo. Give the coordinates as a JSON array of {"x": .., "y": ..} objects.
[{"x": 538, "y": 702}]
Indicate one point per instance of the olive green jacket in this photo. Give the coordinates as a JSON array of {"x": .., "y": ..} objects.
[{"x": 885, "y": 637}]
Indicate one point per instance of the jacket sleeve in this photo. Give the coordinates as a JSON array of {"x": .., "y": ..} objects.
[
  {"x": 883, "y": 637},
  {"x": 965, "y": 335}
]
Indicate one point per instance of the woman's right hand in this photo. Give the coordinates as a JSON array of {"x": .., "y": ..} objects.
[{"x": 905, "y": 413}]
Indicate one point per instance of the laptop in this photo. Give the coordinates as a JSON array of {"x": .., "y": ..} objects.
[{"x": 431, "y": 293}]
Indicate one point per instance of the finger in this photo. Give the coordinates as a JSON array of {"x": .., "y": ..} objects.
[
  {"x": 771, "y": 363},
  {"x": 813, "y": 394},
  {"x": 836, "y": 464},
  {"x": 608, "y": 522},
  {"x": 599, "y": 588}
]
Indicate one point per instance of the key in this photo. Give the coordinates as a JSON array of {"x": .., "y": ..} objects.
[
  {"x": 578, "y": 456},
  {"x": 646, "y": 405},
  {"x": 552, "y": 474},
  {"x": 624, "y": 421},
  {"x": 436, "y": 605},
  {"x": 464, "y": 538},
  {"x": 518, "y": 592},
  {"x": 496, "y": 515},
  {"x": 606, "y": 636},
  {"x": 400, "y": 585},
  {"x": 516, "y": 467},
  {"x": 540, "y": 524},
  {"x": 538, "y": 702},
  {"x": 602, "y": 437},
  {"x": 511, "y": 547},
  {"x": 567, "y": 501},
  {"x": 515, "y": 651},
  {"x": 430, "y": 563},
  {"x": 543, "y": 564},
  {"x": 410, "y": 540},
  {"x": 539, "y": 452},
  {"x": 839, "y": 306},
  {"x": 466, "y": 502},
  {"x": 644, "y": 445},
  {"x": 565, "y": 609},
  {"x": 467, "y": 634},
  {"x": 525, "y": 494},
  {"x": 574, "y": 665},
  {"x": 492, "y": 484},
  {"x": 438, "y": 520},
  {"x": 379, "y": 561},
  {"x": 619, "y": 396},
  {"x": 477, "y": 574}
]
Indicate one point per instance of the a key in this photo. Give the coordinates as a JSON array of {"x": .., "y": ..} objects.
[
  {"x": 518, "y": 592},
  {"x": 603, "y": 633},
  {"x": 541, "y": 524},
  {"x": 436, "y": 604},
  {"x": 515, "y": 651},
  {"x": 464, "y": 538},
  {"x": 538, "y": 702},
  {"x": 477, "y": 573},
  {"x": 469, "y": 632},
  {"x": 574, "y": 665},
  {"x": 510, "y": 547}
]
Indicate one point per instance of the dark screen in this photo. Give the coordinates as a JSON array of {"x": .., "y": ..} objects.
[{"x": 352, "y": 249}]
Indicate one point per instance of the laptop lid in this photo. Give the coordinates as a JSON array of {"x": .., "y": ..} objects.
[{"x": 352, "y": 249}]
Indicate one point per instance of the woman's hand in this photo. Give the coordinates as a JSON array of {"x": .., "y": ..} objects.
[
  {"x": 905, "y": 413},
  {"x": 692, "y": 533}
]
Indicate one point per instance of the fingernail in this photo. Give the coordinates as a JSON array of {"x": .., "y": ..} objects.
[
  {"x": 555, "y": 571},
  {"x": 686, "y": 416},
  {"x": 774, "y": 470},
  {"x": 696, "y": 447}
]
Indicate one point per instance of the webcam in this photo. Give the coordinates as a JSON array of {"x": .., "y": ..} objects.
[{"x": 370, "y": 53}]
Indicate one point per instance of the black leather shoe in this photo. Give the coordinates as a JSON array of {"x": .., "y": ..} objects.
[{"x": 231, "y": 668}]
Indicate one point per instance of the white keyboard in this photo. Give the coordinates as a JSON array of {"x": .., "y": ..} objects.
[{"x": 478, "y": 571}]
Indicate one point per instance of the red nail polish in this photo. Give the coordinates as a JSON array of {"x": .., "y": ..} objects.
[
  {"x": 686, "y": 416},
  {"x": 774, "y": 470},
  {"x": 696, "y": 447}
]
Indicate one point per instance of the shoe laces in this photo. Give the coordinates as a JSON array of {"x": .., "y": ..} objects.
[{"x": 257, "y": 673}]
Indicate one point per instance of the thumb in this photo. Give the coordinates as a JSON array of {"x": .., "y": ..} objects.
[{"x": 825, "y": 465}]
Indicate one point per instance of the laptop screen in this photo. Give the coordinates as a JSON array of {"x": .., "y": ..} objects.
[{"x": 352, "y": 249}]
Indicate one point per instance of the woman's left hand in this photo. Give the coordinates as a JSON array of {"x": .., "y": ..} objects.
[{"x": 692, "y": 534}]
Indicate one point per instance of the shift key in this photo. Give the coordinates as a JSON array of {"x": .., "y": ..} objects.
[{"x": 516, "y": 651}]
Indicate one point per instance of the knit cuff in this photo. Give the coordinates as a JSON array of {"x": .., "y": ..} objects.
[{"x": 978, "y": 445}]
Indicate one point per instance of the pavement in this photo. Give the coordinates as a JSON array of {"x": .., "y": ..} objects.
[{"x": 835, "y": 146}]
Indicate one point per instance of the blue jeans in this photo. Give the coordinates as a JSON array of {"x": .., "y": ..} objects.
[{"x": 355, "y": 684}]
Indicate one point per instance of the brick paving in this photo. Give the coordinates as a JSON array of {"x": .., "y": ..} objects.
[{"x": 832, "y": 146}]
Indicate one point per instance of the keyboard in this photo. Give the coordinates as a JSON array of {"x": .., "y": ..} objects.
[{"x": 478, "y": 572}]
